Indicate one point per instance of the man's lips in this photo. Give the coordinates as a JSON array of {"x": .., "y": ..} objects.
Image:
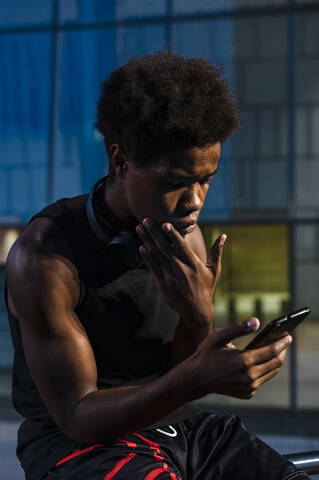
[
  {"x": 185, "y": 228},
  {"x": 189, "y": 229},
  {"x": 186, "y": 222}
]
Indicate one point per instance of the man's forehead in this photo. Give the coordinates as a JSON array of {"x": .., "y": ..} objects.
[{"x": 188, "y": 162}]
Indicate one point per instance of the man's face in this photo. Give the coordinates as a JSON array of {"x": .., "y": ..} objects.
[{"x": 173, "y": 188}]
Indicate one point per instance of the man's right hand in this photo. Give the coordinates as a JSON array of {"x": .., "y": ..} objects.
[{"x": 220, "y": 367}]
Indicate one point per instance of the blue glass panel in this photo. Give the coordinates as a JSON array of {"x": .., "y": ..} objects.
[
  {"x": 307, "y": 114},
  {"x": 105, "y": 11},
  {"x": 201, "y": 6},
  {"x": 24, "y": 118},
  {"x": 20, "y": 12},
  {"x": 254, "y": 164},
  {"x": 86, "y": 60},
  {"x": 210, "y": 38},
  {"x": 139, "y": 40},
  {"x": 208, "y": 6}
]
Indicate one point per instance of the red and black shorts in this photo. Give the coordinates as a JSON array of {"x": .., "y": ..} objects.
[{"x": 204, "y": 447}]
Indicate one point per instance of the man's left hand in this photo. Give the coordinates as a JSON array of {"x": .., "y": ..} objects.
[{"x": 186, "y": 283}]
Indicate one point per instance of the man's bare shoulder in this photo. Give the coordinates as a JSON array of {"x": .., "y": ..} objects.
[
  {"x": 42, "y": 236},
  {"x": 39, "y": 239},
  {"x": 39, "y": 256}
]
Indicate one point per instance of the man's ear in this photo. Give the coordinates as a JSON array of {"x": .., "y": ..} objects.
[{"x": 118, "y": 160}]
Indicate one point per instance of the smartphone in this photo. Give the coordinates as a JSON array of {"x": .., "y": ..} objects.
[{"x": 278, "y": 327}]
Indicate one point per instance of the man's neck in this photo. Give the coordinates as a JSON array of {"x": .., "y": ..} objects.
[{"x": 115, "y": 200}]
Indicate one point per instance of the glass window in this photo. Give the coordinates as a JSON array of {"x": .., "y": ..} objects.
[
  {"x": 24, "y": 120},
  {"x": 71, "y": 11},
  {"x": 7, "y": 237},
  {"x": 307, "y": 281},
  {"x": 207, "y": 6},
  {"x": 139, "y": 41},
  {"x": 211, "y": 38},
  {"x": 307, "y": 114},
  {"x": 254, "y": 175},
  {"x": 142, "y": 8},
  {"x": 87, "y": 58},
  {"x": 19, "y": 13},
  {"x": 254, "y": 282},
  {"x": 110, "y": 10},
  {"x": 6, "y": 348}
]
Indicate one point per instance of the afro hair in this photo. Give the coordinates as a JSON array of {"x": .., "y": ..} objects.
[{"x": 156, "y": 103}]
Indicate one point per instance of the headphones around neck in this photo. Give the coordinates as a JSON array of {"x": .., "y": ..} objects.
[{"x": 124, "y": 243}]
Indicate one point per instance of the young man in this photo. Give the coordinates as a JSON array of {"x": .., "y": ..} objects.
[{"x": 110, "y": 300}]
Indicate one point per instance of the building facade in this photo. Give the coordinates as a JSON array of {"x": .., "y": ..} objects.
[{"x": 54, "y": 56}]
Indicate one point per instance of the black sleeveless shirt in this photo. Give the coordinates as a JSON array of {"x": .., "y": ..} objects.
[{"x": 129, "y": 325}]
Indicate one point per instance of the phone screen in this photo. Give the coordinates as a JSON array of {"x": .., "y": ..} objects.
[{"x": 278, "y": 328}]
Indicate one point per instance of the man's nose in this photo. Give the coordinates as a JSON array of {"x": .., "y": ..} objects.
[{"x": 192, "y": 199}]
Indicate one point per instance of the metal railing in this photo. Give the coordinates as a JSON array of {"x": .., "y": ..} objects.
[{"x": 306, "y": 461}]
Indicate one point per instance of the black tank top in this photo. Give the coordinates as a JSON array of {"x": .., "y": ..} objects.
[{"x": 129, "y": 325}]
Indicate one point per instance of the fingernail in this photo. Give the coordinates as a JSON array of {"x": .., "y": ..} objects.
[
  {"x": 223, "y": 239},
  {"x": 168, "y": 227},
  {"x": 290, "y": 339},
  {"x": 140, "y": 229},
  {"x": 252, "y": 324},
  {"x": 148, "y": 222}
]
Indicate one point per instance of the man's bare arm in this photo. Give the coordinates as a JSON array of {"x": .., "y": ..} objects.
[{"x": 44, "y": 288}]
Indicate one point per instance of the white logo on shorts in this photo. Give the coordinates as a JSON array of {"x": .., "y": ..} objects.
[{"x": 169, "y": 434}]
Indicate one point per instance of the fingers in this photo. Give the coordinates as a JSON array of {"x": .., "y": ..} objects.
[
  {"x": 150, "y": 262},
  {"x": 264, "y": 379},
  {"x": 153, "y": 253},
  {"x": 178, "y": 244},
  {"x": 215, "y": 256},
  {"x": 223, "y": 336},
  {"x": 166, "y": 240},
  {"x": 255, "y": 375},
  {"x": 151, "y": 235},
  {"x": 251, "y": 378},
  {"x": 245, "y": 390},
  {"x": 264, "y": 354},
  {"x": 244, "y": 384},
  {"x": 260, "y": 371}
]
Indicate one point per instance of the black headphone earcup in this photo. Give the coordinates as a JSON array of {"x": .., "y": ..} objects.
[{"x": 126, "y": 243}]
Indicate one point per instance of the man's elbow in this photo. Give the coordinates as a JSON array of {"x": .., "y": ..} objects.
[
  {"x": 84, "y": 432},
  {"x": 84, "y": 427}
]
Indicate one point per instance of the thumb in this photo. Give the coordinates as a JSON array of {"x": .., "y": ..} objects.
[{"x": 226, "y": 335}]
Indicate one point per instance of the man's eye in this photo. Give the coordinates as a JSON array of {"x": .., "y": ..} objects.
[
  {"x": 181, "y": 184},
  {"x": 176, "y": 184}
]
